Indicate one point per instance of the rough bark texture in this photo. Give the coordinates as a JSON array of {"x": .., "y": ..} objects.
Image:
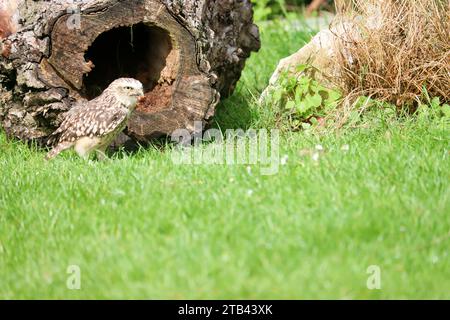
[{"x": 187, "y": 53}]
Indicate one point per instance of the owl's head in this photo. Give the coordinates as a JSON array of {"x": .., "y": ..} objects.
[{"x": 127, "y": 91}]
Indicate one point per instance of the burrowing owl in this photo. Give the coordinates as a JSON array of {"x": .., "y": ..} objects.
[{"x": 92, "y": 126}]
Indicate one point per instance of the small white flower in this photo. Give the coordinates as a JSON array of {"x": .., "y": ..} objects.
[
  {"x": 284, "y": 160},
  {"x": 315, "y": 156},
  {"x": 319, "y": 147},
  {"x": 249, "y": 170},
  {"x": 345, "y": 147},
  {"x": 249, "y": 193}
]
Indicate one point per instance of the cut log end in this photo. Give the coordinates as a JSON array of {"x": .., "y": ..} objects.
[{"x": 142, "y": 51}]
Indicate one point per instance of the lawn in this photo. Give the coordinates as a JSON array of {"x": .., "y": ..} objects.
[{"x": 139, "y": 226}]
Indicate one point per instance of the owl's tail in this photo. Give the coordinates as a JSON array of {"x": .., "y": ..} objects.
[{"x": 58, "y": 149}]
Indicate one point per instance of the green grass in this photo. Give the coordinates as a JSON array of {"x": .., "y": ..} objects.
[{"x": 141, "y": 227}]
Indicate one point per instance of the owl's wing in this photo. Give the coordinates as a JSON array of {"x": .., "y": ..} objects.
[
  {"x": 91, "y": 120},
  {"x": 69, "y": 117}
]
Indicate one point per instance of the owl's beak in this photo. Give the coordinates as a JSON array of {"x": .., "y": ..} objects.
[{"x": 139, "y": 94}]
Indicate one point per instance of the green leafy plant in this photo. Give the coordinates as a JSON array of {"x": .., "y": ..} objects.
[
  {"x": 261, "y": 9},
  {"x": 432, "y": 107},
  {"x": 302, "y": 100},
  {"x": 267, "y": 9}
]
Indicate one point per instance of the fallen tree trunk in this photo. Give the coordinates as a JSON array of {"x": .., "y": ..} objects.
[{"x": 187, "y": 54}]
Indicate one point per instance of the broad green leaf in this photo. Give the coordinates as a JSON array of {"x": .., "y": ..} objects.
[
  {"x": 298, "y": 95},
  {"x": 302, "y": 67},
  {"x": 290, "y": 105},
  {"x": 436, "y": 102},
  {"x": 302, "y": 107},
  {"x": 304, "y": 82},
  {"x": 314, "y": 101}
]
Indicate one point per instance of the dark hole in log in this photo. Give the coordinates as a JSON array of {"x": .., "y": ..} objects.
[{"x": 139, "y": 51}]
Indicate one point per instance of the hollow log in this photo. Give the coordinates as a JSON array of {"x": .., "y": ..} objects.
[{"x": 53, "y": 54}]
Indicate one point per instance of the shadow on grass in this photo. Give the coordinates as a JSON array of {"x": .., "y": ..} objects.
[{"x": 234, "y": 112}]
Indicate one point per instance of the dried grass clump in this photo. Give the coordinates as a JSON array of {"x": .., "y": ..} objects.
[{"x": 400, "y": 48}]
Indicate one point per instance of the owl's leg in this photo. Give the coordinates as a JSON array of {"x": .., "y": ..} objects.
[
  {"x": 101, "y": 154},
  {"x": 85, "y": 146},
  {"x": 58, "y": 149}
]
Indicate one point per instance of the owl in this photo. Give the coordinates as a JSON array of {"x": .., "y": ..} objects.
[{"x": 92, "y": 126}]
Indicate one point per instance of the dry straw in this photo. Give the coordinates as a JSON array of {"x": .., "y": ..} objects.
[{"x": 401, "y": 49}]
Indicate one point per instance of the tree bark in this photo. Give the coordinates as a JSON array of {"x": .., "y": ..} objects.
[{"x": 187, "y": 53}]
